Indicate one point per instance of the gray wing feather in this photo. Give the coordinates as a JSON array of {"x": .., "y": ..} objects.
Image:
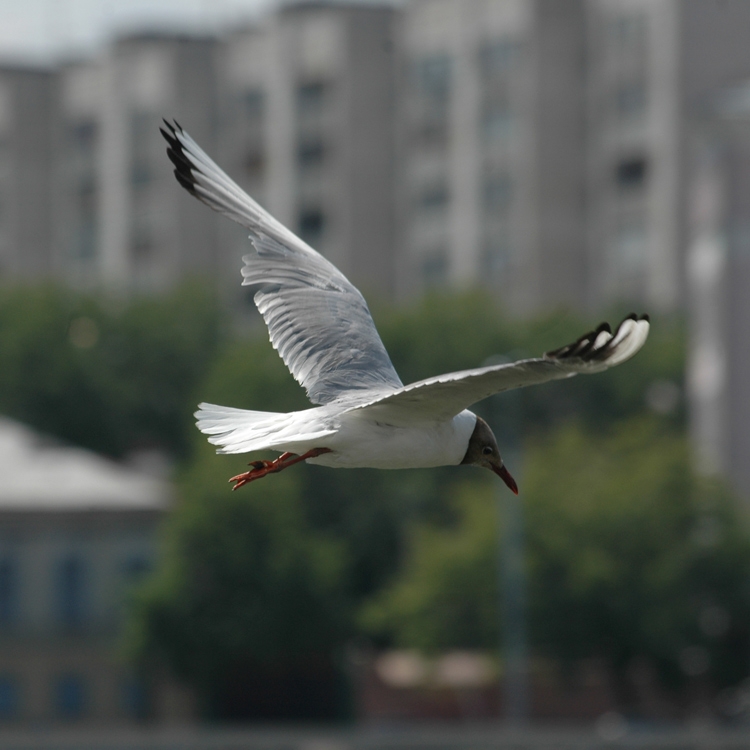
[
  {"x": 442, "y": 397},
  {"x": 317, "y": 320}
]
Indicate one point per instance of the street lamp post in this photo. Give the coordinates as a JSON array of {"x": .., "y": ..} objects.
[
  {"x": 513, "y": 597},
  {"x": 506, "y": 409}
]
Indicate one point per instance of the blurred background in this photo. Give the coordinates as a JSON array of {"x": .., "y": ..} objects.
[{"x": 496, "y": 176}]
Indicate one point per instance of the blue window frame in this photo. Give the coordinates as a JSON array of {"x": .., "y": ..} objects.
[
  {"x": 9, "y": 697},
  {"x": 71, "y": 591},
  {"x": 8, "y": 591},
  {"x": 135, "y": 698},
  {"x": 70, "y": 696}
]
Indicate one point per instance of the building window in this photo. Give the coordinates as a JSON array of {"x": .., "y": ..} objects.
[
  {"x": 631, "y": 173},
  {"x": 70, "y": 696},
  {"x": 253, "y": 103},
  {"x": 498, "y": 56},
  {"x": 431, "y": 131},
  {"x": 496, "y": 121},
  {"x": 495, "y": 255},
  {"x": 311, "y": 226},
  {"x": 135, "y": 698},
  {"x": 435, "y": 269},
  {"x": 86, "y": 195},
  {"x": 254, "y": 164},
  {"x": 140, "y": 175},
  {"x": 9, "y": 698},
  {"x": 312, "y": 96},
  {"x": 310, "y": 153},
  {"x": 8, "y": 591},
  {"x": 631, "y": 245},
  {"x": 433, "y": 76},
  {"x": 433, "y": 199},
  {"x": 134, "y": 569},
  {"x": 630, "y": 100},
  {"x": 142, "y": 125},
  {"x": 628, "y": 33},
  {"x": 71, "y": 591},
  {"x": 141, "y": 243},
  {"x": 85, "y": 240},
  {"x": 496, "y": 192},
  {"x": 82, "y": 135}
]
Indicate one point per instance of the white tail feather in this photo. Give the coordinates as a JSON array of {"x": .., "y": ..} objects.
[{"x": 242, "y": 430}]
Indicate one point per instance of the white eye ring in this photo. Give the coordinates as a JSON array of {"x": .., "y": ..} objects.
[{"x": 487, "y": 450}]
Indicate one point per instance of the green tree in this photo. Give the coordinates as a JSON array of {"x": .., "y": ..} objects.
[
  {"x": 446, "y": 595},
  {"x": 630, "y": 556},
  {"x": 111, "y": 377},
  {"x": 381, "y": 524},
  {"x": 246, "y": 588},
  {"x": 630, "y": 553}
]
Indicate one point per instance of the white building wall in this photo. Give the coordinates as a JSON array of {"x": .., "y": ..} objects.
[{"x": 494, "y": 152}]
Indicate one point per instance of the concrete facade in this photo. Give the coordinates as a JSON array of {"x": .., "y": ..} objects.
[
  {"x": 536, "y": 146},
  {"x": 308, "y": 129},
  {"x": 653, "y": 66},
  {"x": 122, "y": 226},
  {"x": 151, "y": 234},
  {"x": 492, "y": 131}
]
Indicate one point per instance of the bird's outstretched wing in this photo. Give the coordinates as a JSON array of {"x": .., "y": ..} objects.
[
  {"x": 317, "y": 320},
  {"x": 444, "y": 396}
]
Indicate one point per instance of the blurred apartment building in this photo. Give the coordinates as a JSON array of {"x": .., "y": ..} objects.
[
  {"x": 299, "y": 110},
  {"x": 120, "y": 223},
  {"x": 308, "y": 130},
  {"x": 536, "y": 146},
  {"x": 653, "y": 66},
  {"x": 718, "y": 267},
  {"x": 493, "y": 141},
  {"x": 545, "y": 143},
  {"x": 76, "y": 531},
  {"x": 668, "y": 194}
]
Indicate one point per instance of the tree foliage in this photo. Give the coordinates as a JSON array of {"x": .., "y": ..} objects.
[
  {"x": 633, "y": 556},
  {"x": 629, "y": 556},
  {"x": 111, "y": 377},
  {"x": 416, "y": 550},
  {"x": 446, "y": 593},
  {"x": 241, "y": 584}
]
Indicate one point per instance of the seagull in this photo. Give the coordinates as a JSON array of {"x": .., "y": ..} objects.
[{"x": 319, "y": 323}]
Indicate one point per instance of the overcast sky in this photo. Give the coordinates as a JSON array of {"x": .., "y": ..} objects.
[{"x": 45, "y": 30}]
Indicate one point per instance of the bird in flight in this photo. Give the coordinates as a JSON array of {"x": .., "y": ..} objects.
[{"x": 320, "y": 325}]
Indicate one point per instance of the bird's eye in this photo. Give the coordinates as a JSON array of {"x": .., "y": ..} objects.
[{"x": 487, "y": 450}]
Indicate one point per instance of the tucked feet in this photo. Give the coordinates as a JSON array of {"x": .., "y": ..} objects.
[{"x": 284, "y": 461}]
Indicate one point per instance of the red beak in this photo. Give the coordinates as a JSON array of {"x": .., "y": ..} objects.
[{"x": 504, "y": 474}]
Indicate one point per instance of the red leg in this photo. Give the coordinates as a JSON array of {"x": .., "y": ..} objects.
[{"x": 284, "y": 461}]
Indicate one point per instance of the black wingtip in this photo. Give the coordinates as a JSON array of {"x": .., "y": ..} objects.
[
  {"x": 584, "y": 347},
  {"x": 189, "y": 185},
  {"x": 184, "y": 168},
  {"x": 170, "y": 139}
]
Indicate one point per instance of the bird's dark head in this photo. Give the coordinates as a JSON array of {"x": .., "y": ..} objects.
[{"x": 483, "y": 451}]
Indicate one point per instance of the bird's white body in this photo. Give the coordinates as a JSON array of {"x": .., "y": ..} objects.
[
  {"x": 362, "y": 442},
  {"x": 356, "y": 438}
]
